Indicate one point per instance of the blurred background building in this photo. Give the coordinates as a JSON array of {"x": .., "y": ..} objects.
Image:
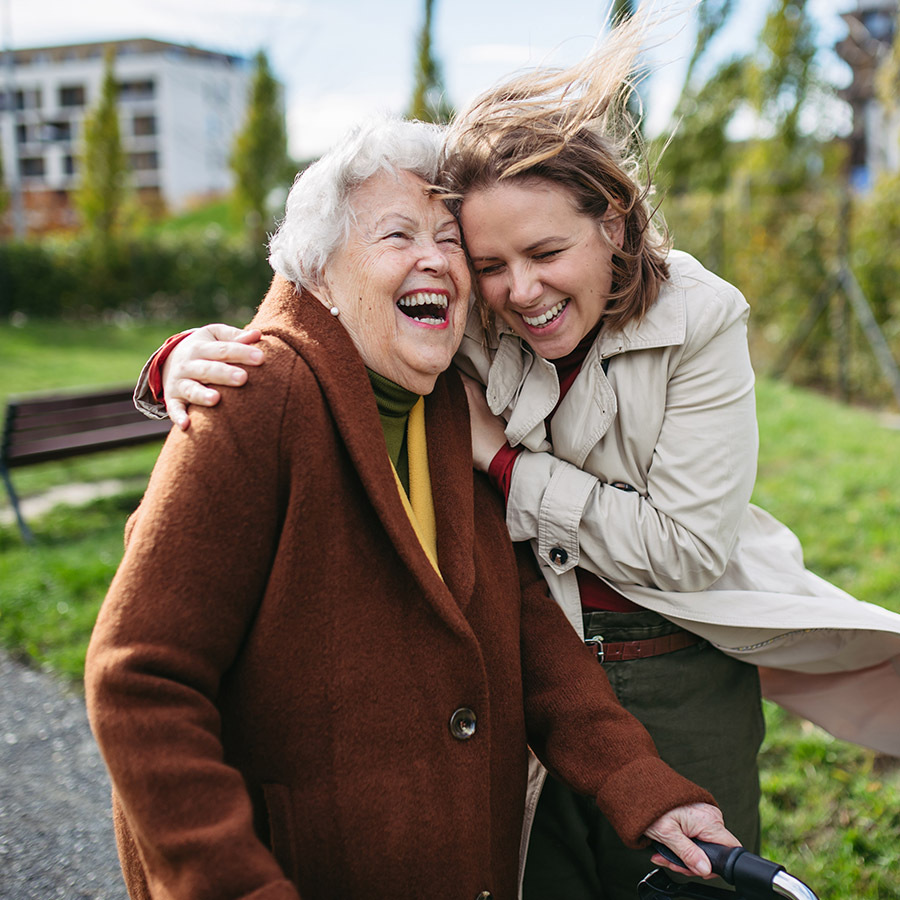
[
  {"x": 875, "y": 138},
  {"x": 179, "y": 109}
]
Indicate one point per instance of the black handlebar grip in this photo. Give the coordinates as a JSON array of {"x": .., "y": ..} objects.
[
  {"x": 751, "y": 874},
  {"x": 722, "y": 859}
]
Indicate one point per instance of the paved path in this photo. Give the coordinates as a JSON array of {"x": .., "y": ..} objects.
[{"x": 56, "y": 839}]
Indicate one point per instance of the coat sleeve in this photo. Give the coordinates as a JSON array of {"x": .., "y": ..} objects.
[
  {"x": 679, "y": 533},
  {"x": 577, "y": 727},
  {"x": 194, "y": 571}
]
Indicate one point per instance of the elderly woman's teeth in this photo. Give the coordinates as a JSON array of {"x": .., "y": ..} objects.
[
  {"x": 546, "y": 317},
  {"x": 425, "y": 307}
]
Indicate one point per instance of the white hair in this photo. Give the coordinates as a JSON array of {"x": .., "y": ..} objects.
[{"x": 318, "y": 214}]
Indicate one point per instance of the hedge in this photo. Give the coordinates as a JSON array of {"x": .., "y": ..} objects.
[{"x": 195, "y": 276}]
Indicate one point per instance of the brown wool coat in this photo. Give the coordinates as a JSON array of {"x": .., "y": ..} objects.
[{"x": 273, "y": 673}]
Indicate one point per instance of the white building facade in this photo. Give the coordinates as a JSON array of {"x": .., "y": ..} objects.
[
  {"x": 179, "y": 110},
  {"x": 875, "y": 140}
]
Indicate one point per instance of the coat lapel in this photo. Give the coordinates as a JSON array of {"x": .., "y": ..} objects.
[
  {"x": 450, "y": 465},
  {"x": 304, "y": 323}
]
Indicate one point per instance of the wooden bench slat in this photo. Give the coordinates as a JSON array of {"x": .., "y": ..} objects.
[
  {"x": 46, "y": 418},
  {"x": 49, "y": 402},
  {"x": 41, "y": 428},
  {"x": 19, "y": 436},
  {"x": 60, "y": 446}
]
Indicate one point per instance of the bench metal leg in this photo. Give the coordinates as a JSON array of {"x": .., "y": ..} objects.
[{"x": 27, "y": 536}]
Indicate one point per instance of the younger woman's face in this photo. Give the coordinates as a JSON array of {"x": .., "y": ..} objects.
[{"x": 542, "y": 266}]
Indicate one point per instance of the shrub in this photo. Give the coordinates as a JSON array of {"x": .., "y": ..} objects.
[{"x": 195, "y": 276}]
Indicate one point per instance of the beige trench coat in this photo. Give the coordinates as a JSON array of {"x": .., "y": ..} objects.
[
  {"x": 648, "y": 486},
  {"x": 673, "y": 424}
]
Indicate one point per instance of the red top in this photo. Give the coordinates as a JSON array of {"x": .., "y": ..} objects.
[
  {"x": 596, "y": 594},
  {"x": 154, "y": 373}
]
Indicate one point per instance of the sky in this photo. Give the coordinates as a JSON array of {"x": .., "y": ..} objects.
[{"x": 340, "y": 60}]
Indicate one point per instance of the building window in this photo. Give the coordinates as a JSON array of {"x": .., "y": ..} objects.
[
  {"x": 31, "y": 166},
  {"x": 27, "y": 99},
  {"x": 21, "y": 134},
  {"x": 142, "y": 162},
  {"x": 57, "y": 131},
  {"x": 137, "y": 90},
  {"x": 72, "y": 95},
  {"x": 879, "y": 24},
  {"x": 144, "y": 126},
  {"x": 69, "y": 164}
]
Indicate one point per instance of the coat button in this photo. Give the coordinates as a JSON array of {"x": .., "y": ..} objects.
[
  {"x": 558, "y": 556},
  {"x": 462, "y": 724}
]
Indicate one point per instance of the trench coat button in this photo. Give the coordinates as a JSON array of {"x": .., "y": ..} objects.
[
  {"x": 558, "y": 556},
  {"x": 462, "y": 724}
]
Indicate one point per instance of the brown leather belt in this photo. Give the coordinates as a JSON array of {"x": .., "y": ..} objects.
[{"x": 612, "y": 651}]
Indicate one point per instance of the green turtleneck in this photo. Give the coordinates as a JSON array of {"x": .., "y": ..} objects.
[{"x": 394, "y": 403}]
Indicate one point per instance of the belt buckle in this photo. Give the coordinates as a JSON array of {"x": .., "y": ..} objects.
[{"x": 597, "y": 643}]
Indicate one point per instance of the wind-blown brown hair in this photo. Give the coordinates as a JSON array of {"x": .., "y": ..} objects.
[{"x": 572, "y": 127}]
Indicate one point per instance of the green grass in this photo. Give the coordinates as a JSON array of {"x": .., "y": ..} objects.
[
  {"x": 49, "y": 356},
  {"x": 832, "y": 473},
  {"x": 50, "y": 593},
  {"x": 218, "y": 215},
  {"x": 45, "y": 355},
  {"x": 831, "y": 811}
]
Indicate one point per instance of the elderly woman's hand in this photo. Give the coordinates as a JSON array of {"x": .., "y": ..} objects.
[
  {"x": 679, "y": 825},
  {"x": 209, "y": 355},
  {"x": 488, "y": 430}
]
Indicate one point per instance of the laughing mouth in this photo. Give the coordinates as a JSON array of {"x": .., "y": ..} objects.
[
  {"x": 425, "y": 307},
  {"x": 547, "y": 317}
]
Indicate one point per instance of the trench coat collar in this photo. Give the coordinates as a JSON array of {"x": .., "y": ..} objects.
[
  {"x": 520, "y": 378},
  {"x": 302, "y": 322}
]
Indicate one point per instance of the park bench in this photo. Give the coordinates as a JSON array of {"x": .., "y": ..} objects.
[{"x": 39, "y": 428}]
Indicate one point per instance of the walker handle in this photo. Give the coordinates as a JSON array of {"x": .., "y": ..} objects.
[{"x": 751, "y": 874}]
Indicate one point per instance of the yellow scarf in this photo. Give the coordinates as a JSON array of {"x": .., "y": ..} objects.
[{"x": 419, "y": 505}]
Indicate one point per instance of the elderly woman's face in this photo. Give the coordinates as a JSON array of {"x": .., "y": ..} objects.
[{"x": 401, "y": 281}]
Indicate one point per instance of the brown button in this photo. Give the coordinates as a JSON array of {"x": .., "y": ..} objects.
[{"x": 462, "y": 724}]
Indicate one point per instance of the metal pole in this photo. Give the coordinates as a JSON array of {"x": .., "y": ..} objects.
[
  {"x": 12, "y": 165},
  {"x": 871, "y": 329}
]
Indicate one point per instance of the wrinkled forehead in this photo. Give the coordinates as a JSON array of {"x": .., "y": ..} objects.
[{"x": 397, "y": 194}]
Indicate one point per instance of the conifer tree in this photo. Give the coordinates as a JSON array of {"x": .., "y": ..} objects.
[
  {"x": 259, "y": 157},
  {"x": 103, "y": 165},
  {"x": 429, "y": 102}
]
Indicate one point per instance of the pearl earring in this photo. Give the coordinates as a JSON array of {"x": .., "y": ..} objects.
[{"x": 334, "y": 311}]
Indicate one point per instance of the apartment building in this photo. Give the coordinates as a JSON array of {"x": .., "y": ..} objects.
[
  {"x": 875, "y": 138},
  {"x": 179, "y": 109}
]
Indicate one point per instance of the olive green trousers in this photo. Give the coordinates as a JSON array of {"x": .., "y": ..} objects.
[{"x": 703, "y": 710}]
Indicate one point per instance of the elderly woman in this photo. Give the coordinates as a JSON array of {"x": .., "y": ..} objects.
[{"x": 331, "y": 696}]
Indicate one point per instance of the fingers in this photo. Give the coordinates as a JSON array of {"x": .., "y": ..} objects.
[
  {"x": 220, "y": 332},
  {"x": 249, "y": 337},
  {"x": 178, "y": 414},
  {"x": 187, "y": 390},
  {"x": 676, "y": 828},
  {"x": 207, "y": 371},
  {"x": 234, "y": 352},
  {"x": 696, "y": 861}
]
